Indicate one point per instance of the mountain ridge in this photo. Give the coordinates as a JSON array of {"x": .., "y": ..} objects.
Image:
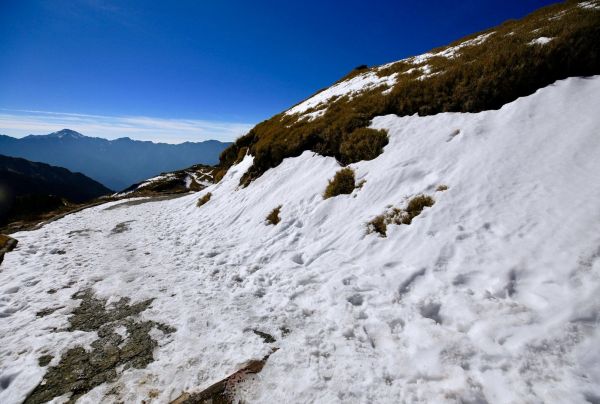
[
  {"x": 116, "y": 163},
  {"x": 31, "y": 188}
]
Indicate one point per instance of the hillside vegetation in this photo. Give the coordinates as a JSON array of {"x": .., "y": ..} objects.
[{"x": 480, "y": 72}]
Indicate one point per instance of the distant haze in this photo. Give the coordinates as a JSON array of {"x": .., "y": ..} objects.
[{"x": 18, "y": 123}]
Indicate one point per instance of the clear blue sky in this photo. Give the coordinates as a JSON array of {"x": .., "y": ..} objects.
[{"x": 208, "y": 62}]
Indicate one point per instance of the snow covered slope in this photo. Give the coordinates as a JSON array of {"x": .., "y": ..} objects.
[
  {"x": 490, "y": 295},
  {"x": 480, "y": 72}
]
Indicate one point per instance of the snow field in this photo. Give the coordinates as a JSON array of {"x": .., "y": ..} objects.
[{"x": 492, "y": 294}]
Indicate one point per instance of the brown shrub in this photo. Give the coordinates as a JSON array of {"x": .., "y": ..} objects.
[
  {"x": 342, "y": 183},
  {"x": 378, "y": 225},
  {"x": 205, "y": 198},
  {"x": 415, "y": 207},
  {"x": 273, "y": 217},
  {"x": 362, "y": 144},
  {"x": 442, "y": 188},
  {"x": 399, "y": 216}
]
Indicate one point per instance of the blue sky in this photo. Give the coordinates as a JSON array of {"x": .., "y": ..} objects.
[{"x": 191, "y": 69}]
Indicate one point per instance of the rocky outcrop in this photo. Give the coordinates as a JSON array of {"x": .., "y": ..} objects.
[
  {"x": 123, "y": 342},
  {"x": 7, "y": 244}
]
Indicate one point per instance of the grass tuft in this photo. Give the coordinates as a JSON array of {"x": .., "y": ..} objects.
[
  {"x": 378, "y": 225},
  {"x": 342, "y": 183},
  {"x": 273, "y": 217},
  {"x": 205, "y": 198},
  {"x": 399, "y": 216},
  {"x": 415, "y": 207}
]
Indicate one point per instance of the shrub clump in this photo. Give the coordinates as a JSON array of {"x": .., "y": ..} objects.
[
  {"x": 273, "y": 217},
  {"x": 363, "y": 144},
  {"x": 378, "y": 225},
  {"x": 342, "y": 183},
  {"x": 205, "y": 198},
  {"x": 399, "y": 216},
  {"x": 415, "y": 207},
  {"x": 442, "y": 188}
]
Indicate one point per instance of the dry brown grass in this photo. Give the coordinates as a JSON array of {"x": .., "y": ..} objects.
[
  {"x": 398, "y": 216},
  {"x": 273, "y": 217},
  {"x": 362, "y": 144},
  {"x": 342, "y": 183},
  {"x": 378, "y": 225},
  {"x": 204, "y": 199}
]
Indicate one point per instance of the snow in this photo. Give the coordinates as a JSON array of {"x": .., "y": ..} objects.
[
  {"x": 152, "y": 180},
  {"x": 491, "y": 295},
  {"x": 543, "y": 40},
  {"x": 450, "y": 52},
  {"x": 589, "y": 5},
  {"x": 360, "y": 83},
  {"x": 319, "y": 113},
  {"x": 558, "y": 15},
  {"x": 370, "y": 80},
  {"x": 188, "y": 181},
  {"x": 425, "y": 70}
]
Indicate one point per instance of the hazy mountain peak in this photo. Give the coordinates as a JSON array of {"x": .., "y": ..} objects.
[
  {"x": 66, "y": 133},
  {"x": 116, "y": 163}
]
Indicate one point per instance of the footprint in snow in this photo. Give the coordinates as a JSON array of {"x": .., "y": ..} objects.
[
  {"x": 452, "y": 135},
  {"x": 297, "y": 258}
]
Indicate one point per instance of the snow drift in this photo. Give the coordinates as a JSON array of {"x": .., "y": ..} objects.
[{"x": 490, "y": 295}]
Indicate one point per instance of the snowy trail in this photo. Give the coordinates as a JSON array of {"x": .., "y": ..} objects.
[{"x": 491, "y": 295}]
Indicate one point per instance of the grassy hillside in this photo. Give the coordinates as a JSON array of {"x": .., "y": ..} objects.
[{"x": 480, "y": 72}]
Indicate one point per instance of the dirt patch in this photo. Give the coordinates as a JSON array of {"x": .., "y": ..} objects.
[{"x": 123, "y": 342}]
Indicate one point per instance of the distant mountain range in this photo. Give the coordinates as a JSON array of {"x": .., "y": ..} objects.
[
  {"x": 28, "y": 188},
  {"x": 117, "y": 163}
]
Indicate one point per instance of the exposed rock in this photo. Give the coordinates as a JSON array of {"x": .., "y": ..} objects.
[
  {"x": 92, "y": 314},
  {"x": 223, "y": 391},
  {"x": 44, "y": 360},
  {"x": 48, "y": 311},
  {"x": 121, "y": 227},
  {"x": 268, "y": 338},
  {"x": 79, "y": 370},
  {"x": 7, "y": 244}
]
